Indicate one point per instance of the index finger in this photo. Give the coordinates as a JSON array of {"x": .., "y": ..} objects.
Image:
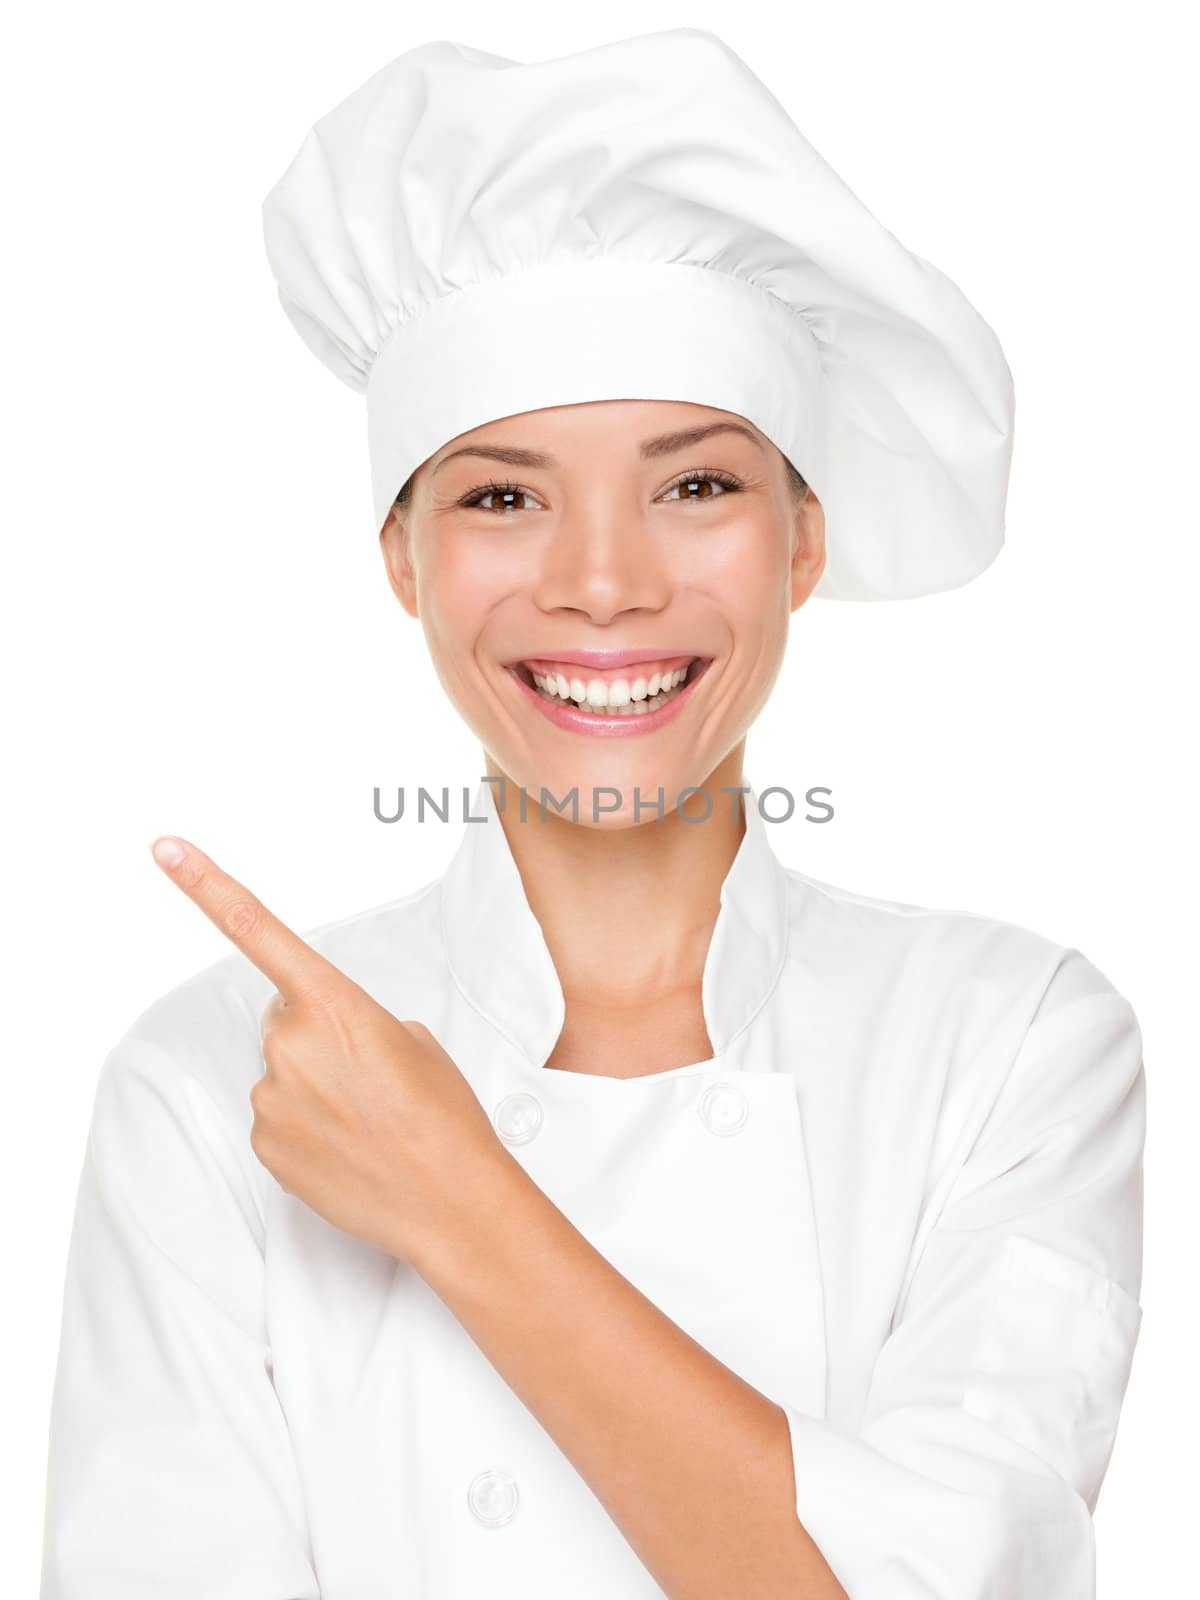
[{"x": 294, "y": 967}]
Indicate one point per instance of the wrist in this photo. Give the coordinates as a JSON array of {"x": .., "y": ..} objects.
[{"x": 472, "y": 1225}]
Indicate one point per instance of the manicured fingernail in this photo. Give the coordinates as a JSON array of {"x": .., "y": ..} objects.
[{"x": 167, "y": 852}]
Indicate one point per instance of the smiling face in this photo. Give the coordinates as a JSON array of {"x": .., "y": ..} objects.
[{"x": 605, "y": 590}]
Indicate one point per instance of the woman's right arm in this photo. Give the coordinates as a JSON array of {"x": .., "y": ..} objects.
[{"x": 170, "y": 1467}]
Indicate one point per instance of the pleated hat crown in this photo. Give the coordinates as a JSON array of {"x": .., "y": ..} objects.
[{"x": 467, "y": 237}]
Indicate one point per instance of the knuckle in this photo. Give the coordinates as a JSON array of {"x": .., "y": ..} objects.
[
  {"x": 318, "y": 998},
  {"x": 191, "y": 873},
  {"x": 242, "y": 918},
  {"x": 327, "y": 1010}
]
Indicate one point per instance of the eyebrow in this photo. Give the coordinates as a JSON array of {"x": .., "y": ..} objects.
[{"x": 662, "y": 444}]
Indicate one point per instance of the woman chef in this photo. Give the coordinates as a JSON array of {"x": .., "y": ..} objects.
[{"x": 623, "y": 1213}]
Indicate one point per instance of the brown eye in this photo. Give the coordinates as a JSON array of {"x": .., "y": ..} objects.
[
  {"x": 703, "y": 486},
  {"x": 502, "y": 491}
]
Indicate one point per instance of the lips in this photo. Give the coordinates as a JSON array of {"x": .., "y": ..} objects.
[
  {"x": 601, "y": 661},
  {"x": 639, "y": 704}
]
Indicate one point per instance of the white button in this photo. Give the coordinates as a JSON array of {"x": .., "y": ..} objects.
[
  {"x": 492, "y": 1497},
  {"x": 517, "y": 1118},
  {"x": 723, "y": 1108}
]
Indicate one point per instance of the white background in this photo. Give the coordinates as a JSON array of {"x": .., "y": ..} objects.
[{"x": 200, "y": 637}]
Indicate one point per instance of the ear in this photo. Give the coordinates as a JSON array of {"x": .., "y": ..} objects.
[
  {"x": 393, "y": 546},
  {"x": 808, "y": 548}
]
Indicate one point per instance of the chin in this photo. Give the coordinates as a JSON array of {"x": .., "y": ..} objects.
[{"x": 635, "y": 782}]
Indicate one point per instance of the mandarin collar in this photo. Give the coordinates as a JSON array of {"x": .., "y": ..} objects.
[{"x": 499, "y": 959}]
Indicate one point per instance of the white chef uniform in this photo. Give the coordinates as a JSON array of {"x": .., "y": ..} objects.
[{"x": 903, "y": 1198}]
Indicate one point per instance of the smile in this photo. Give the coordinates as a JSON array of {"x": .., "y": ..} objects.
[{"x": 638, "y": 698}]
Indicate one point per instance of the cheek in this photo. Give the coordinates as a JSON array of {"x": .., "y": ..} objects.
[
  {"x": 743, "y": 566},
  {"x": 464, "y": 581}
]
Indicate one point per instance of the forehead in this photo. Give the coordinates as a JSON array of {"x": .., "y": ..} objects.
[{"x": 639, "y": 429}]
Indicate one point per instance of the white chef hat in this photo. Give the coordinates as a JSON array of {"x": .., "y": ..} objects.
[{"x": 467, "y": 237}]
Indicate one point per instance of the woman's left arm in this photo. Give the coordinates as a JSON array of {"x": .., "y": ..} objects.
[
  {"x": 993, "y": 1406},
  {"x": 693, "y": 1464}
]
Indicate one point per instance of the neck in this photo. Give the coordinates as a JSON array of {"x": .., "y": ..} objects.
[{"x": 627, "y": 913}]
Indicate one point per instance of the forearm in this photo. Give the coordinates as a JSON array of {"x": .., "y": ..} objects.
[{"x": 692, "y": 1463}]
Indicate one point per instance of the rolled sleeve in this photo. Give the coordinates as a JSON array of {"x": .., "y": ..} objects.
[
  {"x": 990, "y": 1420},
  {"x": 170, "y": 1469}
]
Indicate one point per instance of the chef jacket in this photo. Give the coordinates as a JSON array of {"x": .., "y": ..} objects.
[{"x": 903, "y": 1198}]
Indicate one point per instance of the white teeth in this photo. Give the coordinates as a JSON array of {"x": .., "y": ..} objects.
[
  {"x": 619, "y": 698},
  {"x": 597, "y": 693}
]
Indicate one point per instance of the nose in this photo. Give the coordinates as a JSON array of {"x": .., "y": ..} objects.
[{"x": 602, "y": 561}]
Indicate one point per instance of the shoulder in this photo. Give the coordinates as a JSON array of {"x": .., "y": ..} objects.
[
  {"x": 966, "y": 971},
  {"x": 992, "y": 1038}
]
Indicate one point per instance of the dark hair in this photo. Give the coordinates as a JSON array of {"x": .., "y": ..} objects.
[{"x": 798, "y": 484}]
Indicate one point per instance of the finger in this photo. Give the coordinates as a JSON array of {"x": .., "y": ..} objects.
[
  {"x": 273, "y": 1014},
  {"x": 294, "y": 967}
]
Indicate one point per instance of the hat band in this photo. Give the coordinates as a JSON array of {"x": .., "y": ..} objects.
[{"x": 566, "y": 332}]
